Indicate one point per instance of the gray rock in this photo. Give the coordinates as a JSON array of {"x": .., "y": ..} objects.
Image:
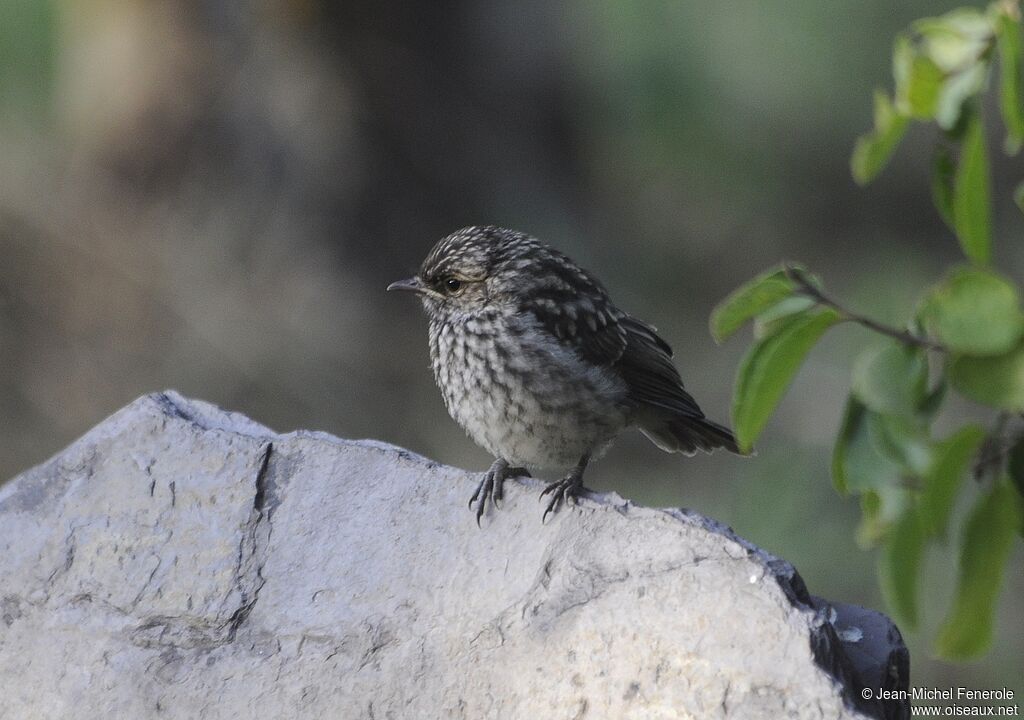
[{"x": 180, "y": 561}]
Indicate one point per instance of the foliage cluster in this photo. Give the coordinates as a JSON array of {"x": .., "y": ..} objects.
[{"x": 967, "y": 334}]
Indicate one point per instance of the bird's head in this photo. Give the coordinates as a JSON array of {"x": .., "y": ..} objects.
[{"x": 473, "y": 268}]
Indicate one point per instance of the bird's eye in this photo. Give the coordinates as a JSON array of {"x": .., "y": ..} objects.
[{"x": 453, "y": 285}]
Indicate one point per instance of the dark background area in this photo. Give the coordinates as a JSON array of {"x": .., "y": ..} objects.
[{"x": 212, "y": 196}]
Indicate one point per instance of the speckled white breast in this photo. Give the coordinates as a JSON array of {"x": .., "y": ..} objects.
[{"x": 520, "y": 394}]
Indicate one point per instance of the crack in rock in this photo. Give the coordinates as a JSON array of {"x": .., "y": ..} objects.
[
  {"x": 250, "y": 548},
  {"x": 185, "y": 632}
]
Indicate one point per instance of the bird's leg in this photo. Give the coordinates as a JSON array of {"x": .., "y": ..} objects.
[
  {"x": 567, "y": 489},
  {"x": 490, "y": 487}
]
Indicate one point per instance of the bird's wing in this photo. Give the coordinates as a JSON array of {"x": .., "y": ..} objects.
[
  {"x": 578, "y": 311},
  {"x": 646, "y": 366},
  {"x": 573, "y": 307}
]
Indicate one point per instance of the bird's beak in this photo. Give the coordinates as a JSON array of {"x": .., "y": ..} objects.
[{"x": 412, "y": 284}]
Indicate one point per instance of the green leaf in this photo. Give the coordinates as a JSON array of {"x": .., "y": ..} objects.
[
  {"x": 925, "y": 85},
  {"x": 768, "y": 322},
  {"x": 951, "y": 460},
  {"x": 748, "y": 301},
  {"x": 1010, "y": 100},
  {"x": 918, "y": 80},
  {"x": 872, "y": 151},
  {"x": 848, "y": 431},
  {"x": 903, "y": 441},
  {"x": 975, "y": 312},
  {"x": 985, "y": 549},
  {"x": 768, "y": 368},
  {"x": 871, "y": 509},
  {"x": 891, "y": 379},
  {"x": 994, "y": 381},
  {"x": 957, "y": 43},
  {"x": 956, "y": 39},
  {"x": 1018, "y": 196},
  {"x": 933, "y": 399},
  {"x": 881, "y": 509},
  {"x": 971, "y": 202},
  {"x": 955, "y": 95},
  {"x": 899, "y": 565},
  {"x": 857, "y": 465},
  {"x": 902, "y": 64},
  {"x": 943, "y": 171}
]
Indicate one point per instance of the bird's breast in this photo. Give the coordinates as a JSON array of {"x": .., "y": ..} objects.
[{"x": 521, "y": 393}]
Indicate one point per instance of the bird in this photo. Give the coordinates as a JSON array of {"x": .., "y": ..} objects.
[{"x": 541, "y": 368}]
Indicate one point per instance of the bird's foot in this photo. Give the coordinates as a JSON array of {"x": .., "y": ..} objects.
[
  {"x": 491, "y": 486},
  {"x": 563, "y": 491}
]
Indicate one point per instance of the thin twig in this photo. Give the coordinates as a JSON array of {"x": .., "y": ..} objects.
[
  {"x": 990, "y": 458},
  {"x": 806, "y": 288}
]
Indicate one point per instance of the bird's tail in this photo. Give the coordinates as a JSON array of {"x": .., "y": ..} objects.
[{"x": 687, "y": 435}]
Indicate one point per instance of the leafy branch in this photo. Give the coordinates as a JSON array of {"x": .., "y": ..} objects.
[
  {"x": 803, "y": 286},
  {"x": 967, "y": 333}
]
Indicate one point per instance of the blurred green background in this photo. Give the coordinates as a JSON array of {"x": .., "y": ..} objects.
[{"x": 212, "y": 196}]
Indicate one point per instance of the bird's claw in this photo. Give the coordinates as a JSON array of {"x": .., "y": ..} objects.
[
  {"x": 491, "y": 487},
  {"x": 563, "y": 492},
  {"x": 484, "y": 491}
]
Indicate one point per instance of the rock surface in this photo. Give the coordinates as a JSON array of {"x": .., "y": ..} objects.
[{"x": 180, "y": 561}]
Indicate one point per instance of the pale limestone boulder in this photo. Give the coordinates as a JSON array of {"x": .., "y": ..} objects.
[{"x": 180, "y": 561}]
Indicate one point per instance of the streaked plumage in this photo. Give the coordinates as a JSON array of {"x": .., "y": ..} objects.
[{"x": 540, "y": 367}]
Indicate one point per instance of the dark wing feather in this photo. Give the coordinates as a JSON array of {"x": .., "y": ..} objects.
[
  {"x": 646, "y": 366},
  {"x": 575, "y": 308},
  {"x": 572, "y": 306}
]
